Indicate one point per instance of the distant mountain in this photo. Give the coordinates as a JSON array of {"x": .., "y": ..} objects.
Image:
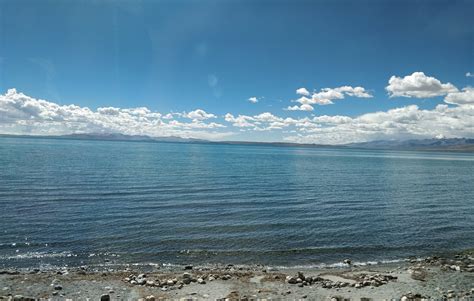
[
  {"x": 122, "y": 137},
  {"x": 444, "y": 144},
  {"x": 451, "y": 144},
  {"x": 112, "y": 137}
]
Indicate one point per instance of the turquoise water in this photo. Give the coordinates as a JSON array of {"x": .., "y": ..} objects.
[{"x": 80, "y": 202}]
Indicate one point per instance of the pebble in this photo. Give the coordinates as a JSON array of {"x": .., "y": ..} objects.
[
  {"x": 141, "y": 281},
  {"x": 201, "y": 281},
  {"x": 187, "y": 275},
  {"x": 105, "y": 298},
  {"x": 150, "y": 282},
  {"x": 186, "y": 280}
]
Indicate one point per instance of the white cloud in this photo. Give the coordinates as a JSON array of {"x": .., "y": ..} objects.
[
  {"x": 326, "y": 96},
  {"x": 302, "y": 91},
  {"x": 466, "y": 96},
  {"x": 469, "y": 74},
  {"x": 199, "y": 115},
  {"x": 253, "y": 99},
  {"x": 408, "y": 122},
  {"x": 354, "y": 91},
  {"x": 21, "y": 114},
  {"x": 239, "y": 121},
  {"x": 303, "y": 107},
  {"x": 418, "y": 85}
]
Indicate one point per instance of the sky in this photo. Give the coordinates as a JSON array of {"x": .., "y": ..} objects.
[{"x": 327, "y": 72}]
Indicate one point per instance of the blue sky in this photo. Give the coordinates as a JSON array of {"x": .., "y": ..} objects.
[{"x": 179, "y": 56}]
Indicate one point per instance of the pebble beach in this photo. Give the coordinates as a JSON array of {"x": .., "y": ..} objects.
[{"x": 432, "y": 278}]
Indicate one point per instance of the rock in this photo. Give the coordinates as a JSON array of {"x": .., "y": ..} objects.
[
  {"x": 150, "y": 282},
  {"x": 18, "y": 298},
  {"x": 404, "y": 298},
  {"x": 300, "y": 275},
  {"x": 347, "y": 261},
  {"x": 141, "y": 281},
  {"x": 187, "y": 275},
  {"x": 201, "y": 281},
  {"x": 150, "y": 298},
  {"x": 455, "y": 267},
  {"x": 105, "y": 298},
  {"x": 358, "y": 285},
  {"x": 142, "y": 276},
  {"x": 188, "y": 267},
  {"x": 55, "y": 293},
  {"x": 211, "y": 278},
  {"x": 169, "y": 282},
  {"x": 58, "y": 287},
  {"x": 186, "y": 280},
  {"x": 291, "y": 280}
]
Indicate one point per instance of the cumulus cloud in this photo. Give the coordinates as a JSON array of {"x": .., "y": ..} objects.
[
  {"x": 253, "y": 99},
  {"x": 466, "y": 96},
  {"x": 21, "y": 114},
  {"x": 418, "y": 85},
  {"x": 469, "y": 74},
  {"x": 199, "y": 115},
  {"x": 303, "y": 107},
  {"x": 408, "y": 122},
  {"x": 302, "y": 91},
  {"x": 326, "y": 96}
]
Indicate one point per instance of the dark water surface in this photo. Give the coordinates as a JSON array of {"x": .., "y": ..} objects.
[{"x": 73, "y": 202}]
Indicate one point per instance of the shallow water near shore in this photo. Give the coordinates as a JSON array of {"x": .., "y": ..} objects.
[{"x": 68, "y": 202}]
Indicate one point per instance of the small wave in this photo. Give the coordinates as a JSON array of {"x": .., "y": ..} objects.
[
  {"x": 37, "y": 255},
  {"x": 340, "y": 264}
]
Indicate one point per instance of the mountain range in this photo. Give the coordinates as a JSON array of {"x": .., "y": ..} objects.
[{"x": 434, "y": 144}]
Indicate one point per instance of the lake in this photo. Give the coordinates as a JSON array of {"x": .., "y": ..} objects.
[{"x": 73, "y": 202}]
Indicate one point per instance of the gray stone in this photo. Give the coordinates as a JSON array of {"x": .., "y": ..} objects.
[
  {"x": 105, "y": 298},
  {"x": 201, "y": 281}
]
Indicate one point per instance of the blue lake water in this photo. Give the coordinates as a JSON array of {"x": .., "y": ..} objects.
[{"x": 79, "y": 202}]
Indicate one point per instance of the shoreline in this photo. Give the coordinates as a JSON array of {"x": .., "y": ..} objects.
[{"x": 430, "y": 278}]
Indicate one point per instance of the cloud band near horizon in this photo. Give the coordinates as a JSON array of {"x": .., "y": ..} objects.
[{"x": 22, "y": 114}]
